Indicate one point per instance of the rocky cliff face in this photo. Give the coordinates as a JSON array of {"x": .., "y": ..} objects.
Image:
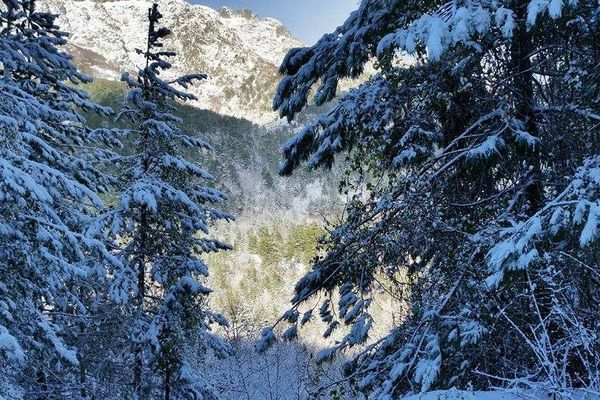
[{"x": 238, "y": 50}]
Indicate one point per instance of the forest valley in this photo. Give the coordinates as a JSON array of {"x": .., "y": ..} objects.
[{"x": 457, "y": 255}]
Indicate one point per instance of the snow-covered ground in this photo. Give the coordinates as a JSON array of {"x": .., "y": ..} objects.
[{"x": 502, "y": 395}]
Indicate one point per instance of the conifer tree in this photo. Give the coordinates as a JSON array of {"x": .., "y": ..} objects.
[
  {"x": 163, "y": 217},
  {"x": 49, "y": 246},
  {"x": 480, "y": 129}
]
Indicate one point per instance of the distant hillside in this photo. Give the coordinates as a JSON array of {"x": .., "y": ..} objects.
[{"x": 245, "y": 160}]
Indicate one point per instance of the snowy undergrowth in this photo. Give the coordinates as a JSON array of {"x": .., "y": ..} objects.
[{"x": 454, "y": 394}]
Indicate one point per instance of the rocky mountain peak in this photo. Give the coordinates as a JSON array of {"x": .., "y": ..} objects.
[{"x": 239, "y": 51}]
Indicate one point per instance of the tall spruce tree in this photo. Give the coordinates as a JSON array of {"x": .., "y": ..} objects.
[
  {"x": 480, "y": 153},
  {"x": 163, "y": 217},
  {"x": 48, "y": 191}
]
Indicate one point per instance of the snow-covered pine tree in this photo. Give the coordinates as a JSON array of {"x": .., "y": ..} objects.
[
  {"x": 48, "y": 192},
  {"x": 481, "y": 151},
  {"x": 163, "y": 217}
]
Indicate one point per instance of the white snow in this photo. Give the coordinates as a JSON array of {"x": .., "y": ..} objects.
[
  {"x": 590, "y": 231},
  {"x": 454, "y": 394},
  {"x": 9, "y": 345},
  {"x": 236, "y": 50}
]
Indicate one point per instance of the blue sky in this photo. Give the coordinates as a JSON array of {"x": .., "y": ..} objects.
[{"x": 308, "y": 20}]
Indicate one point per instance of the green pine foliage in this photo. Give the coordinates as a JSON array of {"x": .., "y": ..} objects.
[{"x": 473, "y": 153}]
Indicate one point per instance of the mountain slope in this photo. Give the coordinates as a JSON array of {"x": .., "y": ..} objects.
[
  {"x": 233, "y": 112},
  {"x": 245, "y": 161},
  {"x": 239, "y": 51}
]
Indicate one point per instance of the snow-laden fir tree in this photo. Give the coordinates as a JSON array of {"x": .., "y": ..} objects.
[
  {"x": 477, "y": 142},
  {"x": 48, "y": 193},
  {"x": 163, "y": 216}
]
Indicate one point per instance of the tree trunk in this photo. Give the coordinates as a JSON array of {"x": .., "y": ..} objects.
[
  {"x": 141, "y": 285},
  {"x": 82, "y": 379},
  {"x": 167, "y": 383},
  {"x": 521, "y": 49},
  {"x": 41, "y": 381}
]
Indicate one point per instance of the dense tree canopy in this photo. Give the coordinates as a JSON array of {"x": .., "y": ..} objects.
[
  {"x": 477, "y": 142},
  {"x": 49, "y": 189}
]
